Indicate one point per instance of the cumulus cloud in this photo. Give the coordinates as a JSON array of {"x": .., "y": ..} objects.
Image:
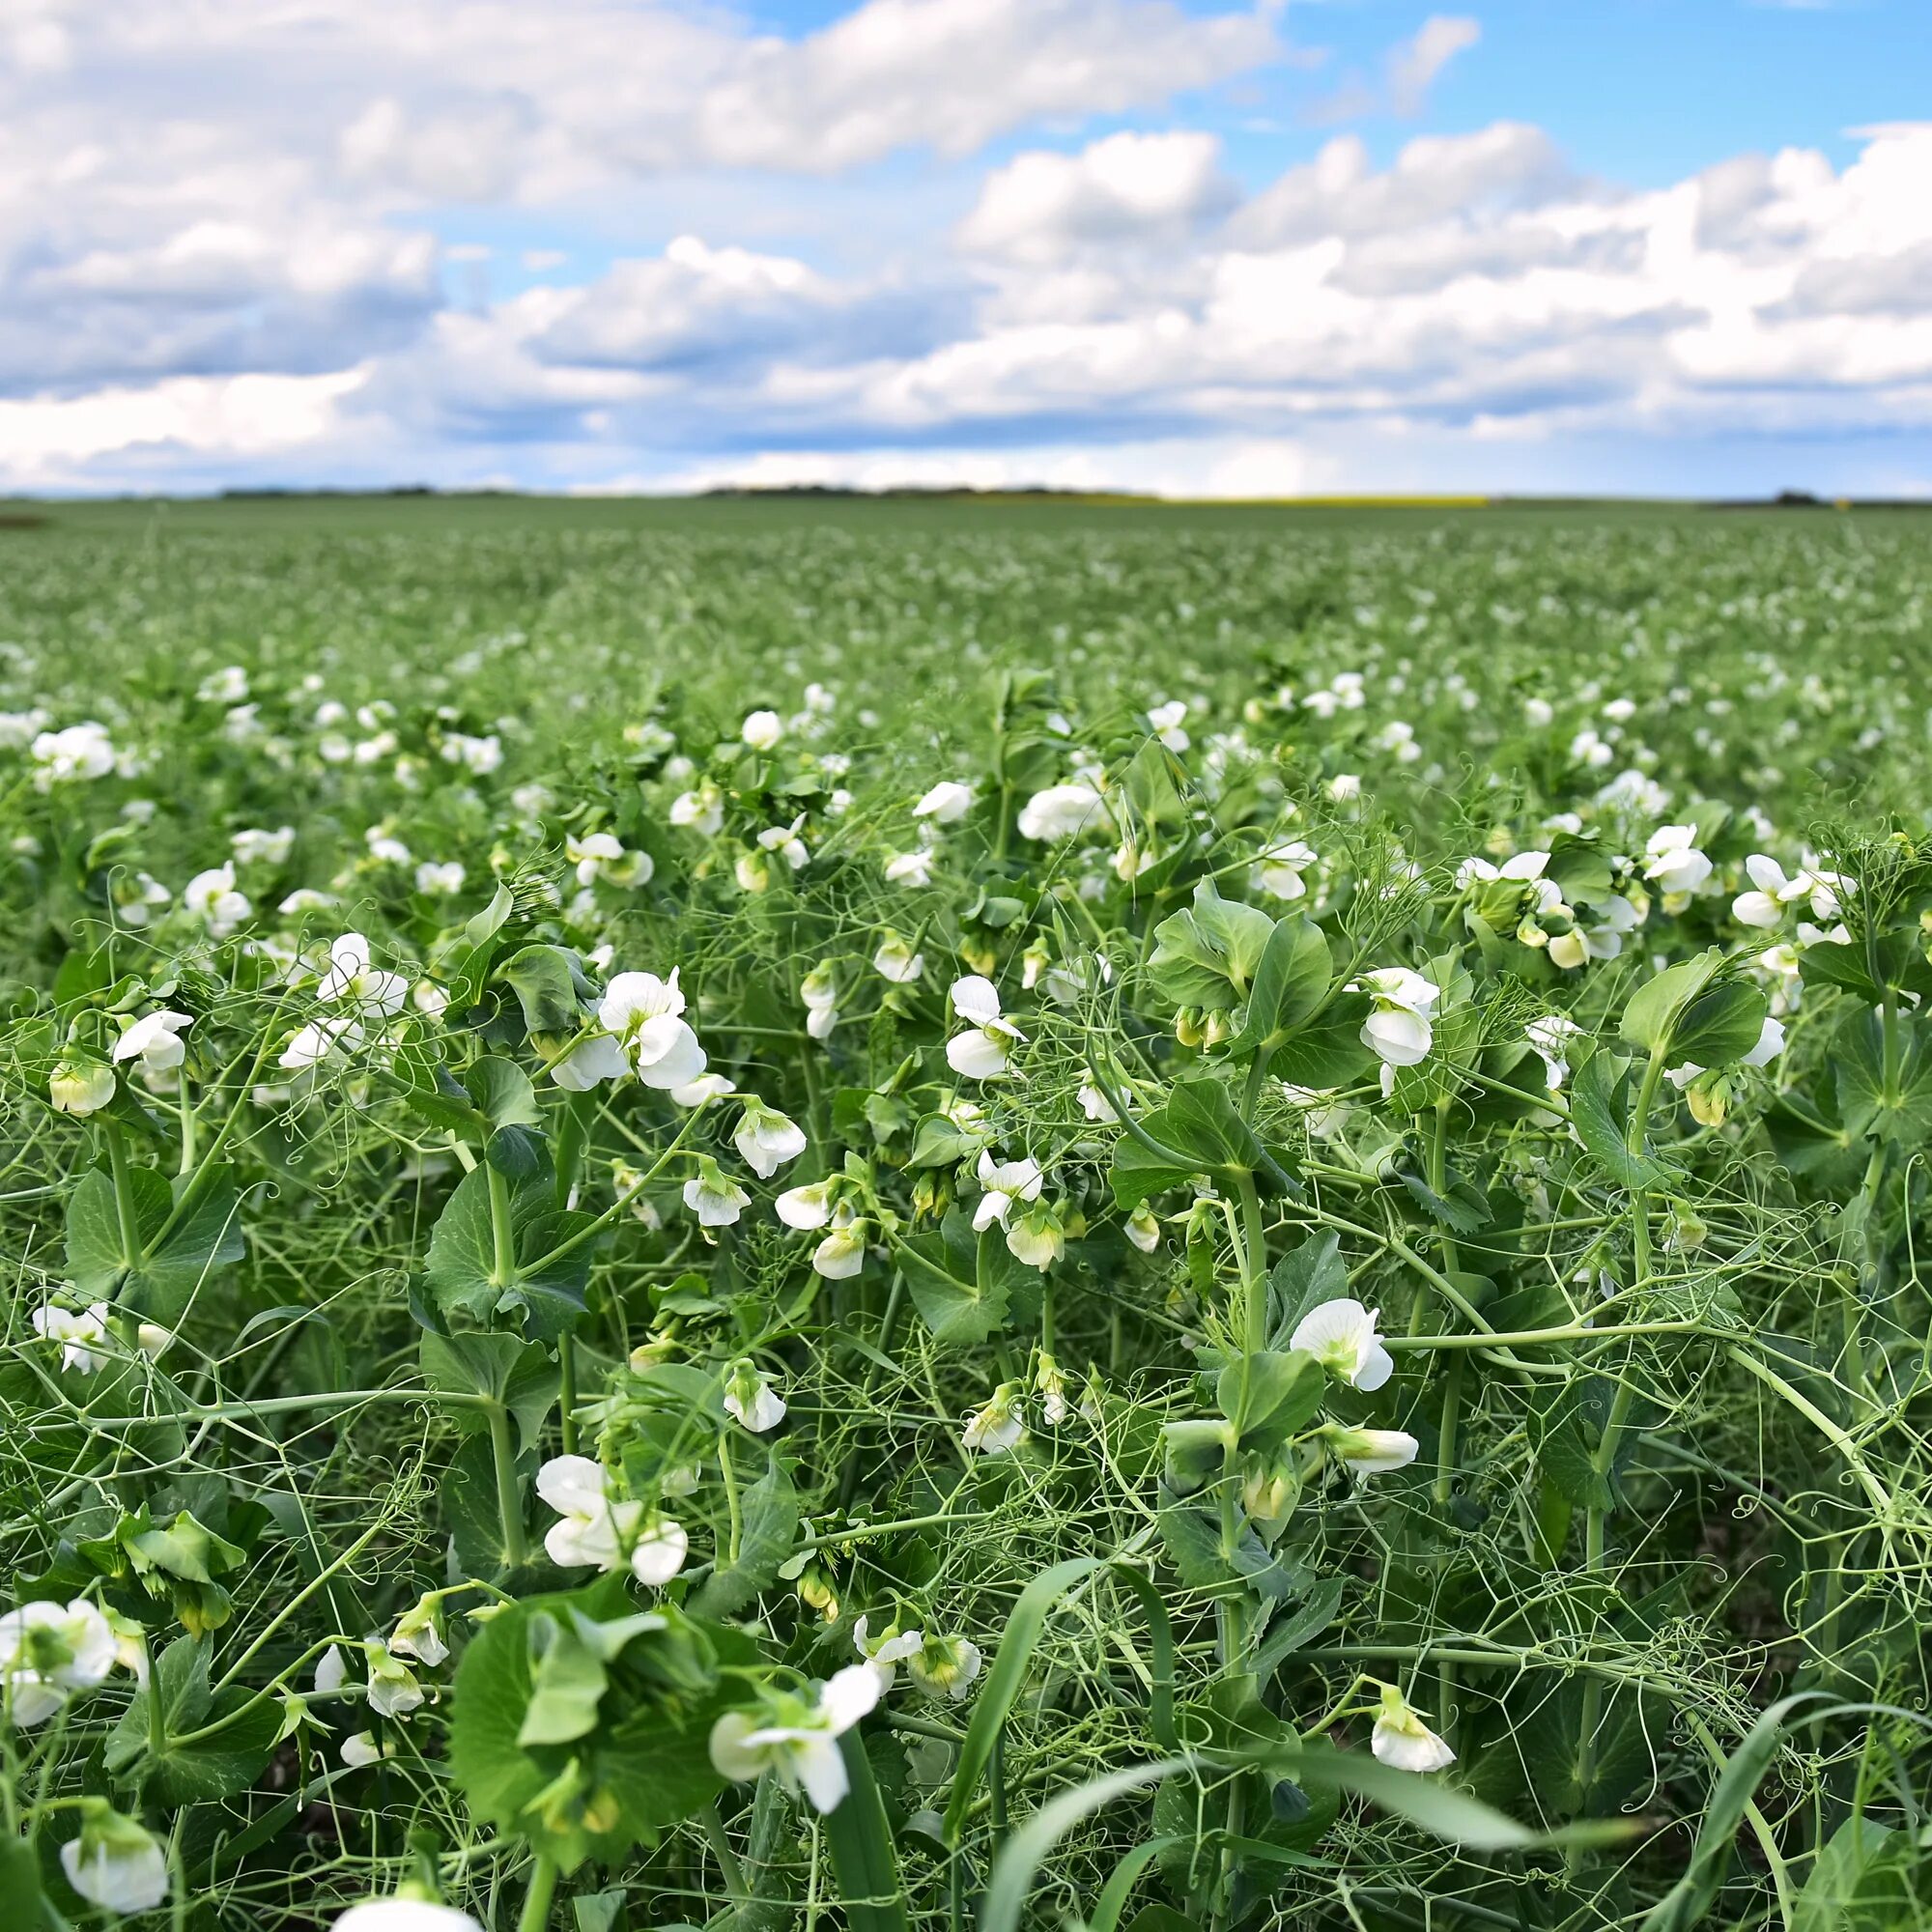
[
  {"x": 1414, "y": 65},
  {"x": 226, "y": 236}
]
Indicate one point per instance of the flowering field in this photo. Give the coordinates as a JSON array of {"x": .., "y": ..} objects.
[{"x": 773, "y": 1218}]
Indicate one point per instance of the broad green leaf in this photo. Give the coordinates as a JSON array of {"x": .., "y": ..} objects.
[
  {"x": 770, "y": 1513},
  {"x": 1721, "y": 1025},
  {"x": 1897, "y": 1107},
  {"x": 1651, "y": 1016},
  {"x": 1208, "y": 956},
  {"x": 549, "y": 986},
  {"x": 207, "y": 1237},
  {"x": 961, "y": 1281},
  {"x": 1600, "y": 1112},
  {"x": 543, "y": 1294},
  {"x": 1290, "y": 984},
  {"x": 217, "y": 1766},
  {"x": 1867, "y": 1877},
  {"x": 1270, "y": 1396},
  {"x": 518, "y": 1375},
  {"x": 1308, "y": 1620},
  {"x": 1304, "y": 1278}
]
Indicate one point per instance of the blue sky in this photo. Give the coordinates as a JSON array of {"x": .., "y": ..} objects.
[{"x": 1191, "y": 245}]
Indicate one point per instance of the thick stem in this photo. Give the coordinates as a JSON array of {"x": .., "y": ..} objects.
[
  {"x": 509, "y": 1489},
  {"x": 566, "y": 1391},
  {"x": 535, "y": 1914},
  {"x": 503, "y": 1231}
]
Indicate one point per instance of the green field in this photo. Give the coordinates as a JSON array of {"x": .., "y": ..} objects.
[{"x": 767, "y": 1214}]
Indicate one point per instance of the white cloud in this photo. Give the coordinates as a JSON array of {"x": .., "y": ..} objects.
[
  {"x": 1123, "y": 191},
  {"x": 1414, "y": 66}
]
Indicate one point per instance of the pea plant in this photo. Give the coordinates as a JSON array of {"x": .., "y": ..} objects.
[{"x": 1166, "y": 1316}]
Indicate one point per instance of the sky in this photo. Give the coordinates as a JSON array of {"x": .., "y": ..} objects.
[{"x": 1287, "y": 248}]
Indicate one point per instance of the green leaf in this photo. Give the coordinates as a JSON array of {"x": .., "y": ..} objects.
[
  {"x": 1897, "y": 1109},
  {"x": 1209, "y": 955},
  {"x": 518, "y": 1375},
  {"x": 770, "y": 1529},
  {"x": 217, "y": 1766},
  {"x": 1304, "y": 1278},
  {"x": 545, "y": 1294},
  {"x": 1651, "y": 1016},
  {"x": 961, "y": 1281},
  {"x": 207, "y": 1239},
  {"x": 468, "y": 962},
  {"x": 503, "y": 1092},
  {"x": 1463, "y": 1207},
  {"x": 1290, "y": 984},
  {"x": 1866, "y": 1878},
  {"x": 1329, "y": 1051},
  {"x": 939, "y": 1143},
  {"x": 549, "y": 986},
  {"x": 1316, "y": 1612},
  {"x": 1721, "y": 1025},
  {"x": 1270, "y": 1396},
  {"x": 1600, "y": 1114}
]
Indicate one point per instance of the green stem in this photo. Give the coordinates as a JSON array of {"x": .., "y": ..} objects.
[
  {"x": 860, "y": 1844},
  {"x": 566, "y": 1391},
  {"x": 535, "y": 1914},
  {"x": 503, "y": 1231},
  {"x": 509, "y": 1489}
]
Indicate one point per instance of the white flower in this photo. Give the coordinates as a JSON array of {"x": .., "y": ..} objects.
[
  {"x": 783, "y": 840},
  {"x": 226, "y": 686},
  {"x": 714, "y": 1197},
  {"x": 1770, "y": 1044},
  {"x": 701, "y": 811},
  {"x": 751, "y": 1398},
  {"x": 801, "y": 1744},
  {"x": 331, "y": 1671},
  {"x": 1398, "y": 1029},
  {"x": 80, "y": 752},
  {"x": 403, "y": 1915},
  {"x": 643, "y": 1011},
  {"x": 1345, "y": 787},
  {"x": 980, "y": 1052},
  {"x": 155, "y": 1040},
  {"x": 842, "y": 1254},
  {"x": 1550, "y": 1037},
  {"x": 808, "y": 1206},
  {"x": 888, "y": 1650},
  {"x": 211, "y": 897},
  {"x": 946, "y": 803},
  {"x": 1279, "y": 872},
  {"x": 418, "y": 1634},
  {"x": 1166, "y": 722},
  {"x": 589, "y": 1064},
  {"x": 596, "y": 1529},
  {"x": 762, "y": 729},
  {"x": 256, "y": 847},
  {"x": 435, "y": 880},
  {"x": 1341, "y": 1335},
  {"x": 996, "y": 1426},
  {"x": 944, "y": 1667},
  {"x": 767, "y": 1139},
  {"x": 1764, "y": 907},
  {"x": 1675, "y": 863},
  {"x": 1143, "y": 1230},
  {"x": 115, "y": 1862},
  {"x": 480, "y": 755},
  {"x": 80, "y": 1086},
  {"x": 78, "y": 1334},
  {"x": 896, "y": 962},
  {"x": 909, "y": 869},
  {"x": 1059, "y": 812},
  {"x": 49, "y": 1649},
  {"x": 1005, "y": 1182},
  {"x": 392, "y": 1690},
  {"x": 1403, "y": 1740},
  {"x": 1370, "y": 1452},
  {"x": 1037, "y": 1237},
  {"x": 1538, "y": 713},
  {"x": 359, "y": 1752},
  {"x": 350, "y": 979},
  {"x": 702, "y": 1092},
  {"x": 317, "y": 1042}
]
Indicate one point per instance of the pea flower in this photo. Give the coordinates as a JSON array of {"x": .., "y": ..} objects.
[
  {"x": 909, "y": 869},
  {"x": 597, "y": 1529},
  {"x": 980, "y": 1051},
  {"x": 405, "y": 1912},
  {"x": 944, "y": 1667},
  {"x": 79, "y": 752},
  {"x": 1402, "y": 1739},
  {"x": 819, "y": 991},
  {"x": 808, "y": 1206},
  {"x": 1341, "y": 1335},
  {"x": 418, "y": 1634},
  {"x": 761, "y": 730},
  {"x": 360, "y": 1751},
  {"x": 701, "y": 811},
  {"x": 256, "y": 847},
  {"x": 392, "y": 1689},
  {"x": 1165, "y": 718},
  {"x": 1006, "y": 1182},
  {"x": 1143, "y": 1230},
  {"x": 1280, "y": 872},
  {"x": 896, "y": 962},
  {"x": 645, "y": 1014},
  {"x": 47, "y": 1651},
  {"x": 350, "y": 979},
  {"x": 1397, "y": 1030},
  {"x": 783, "y": 840},
  {"x": 79, "y": 1086},
  {"x": 1037, "y": 1237},
  {"x": 211, "y": 897},
  {"x": 589, "y": 1064},
  {"x": 115, "y": 1862},
  {"x": 796, "y": 1738},
  {"x": 702, "y": 1092},
  {"x": 842, "y": 1254},
  {"x": 155, "y": 1040},
  {"x": 441, "y": 879},
  {"x": 946, "y": 803},
  {"x": 77, "y": 1333},
  {"x": 1550, "y": 1037},
  {"x": 885, "y": 1652},
  {"x": 751, "y": 1398},
  {"x": 767, "y": 1139},
  {"x": 1049, "y": 1382},
  {"x": 996, "y": 1426},
  {"x": 311, "y": 1045},
  {"x": 714, "y": 1197},
  {"x": 601, "y": 854},
  {"x": 1371, "y": 1452},
  {"x": 1674, "y": 862},
  {"x": 1764, "y": 907},
  {"x": 1059, "y": 812}
]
